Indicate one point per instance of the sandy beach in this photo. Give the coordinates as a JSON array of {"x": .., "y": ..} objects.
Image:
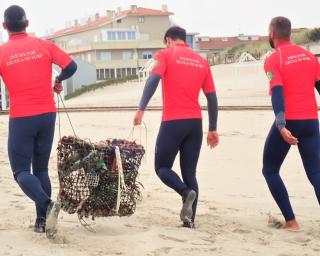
[
  {"x": 234, "y": 200},
  {"x": 236, "y": 85}
]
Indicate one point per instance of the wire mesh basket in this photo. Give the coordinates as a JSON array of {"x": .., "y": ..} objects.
[{"x": 99, "y": 179}]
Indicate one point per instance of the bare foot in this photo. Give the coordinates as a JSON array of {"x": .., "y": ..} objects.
[{"x": 291, "y": 225}]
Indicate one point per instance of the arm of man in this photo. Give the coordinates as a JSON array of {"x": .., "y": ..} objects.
[
  {"x": 151, "y": 86},
  {"x": 148, "y": 91},
  {"x": 318, "y": 86},
  {"x": 278, "y": 100},
  {"x": 212, "y": 110},
  {"x": 209, "y": 90},
  {"x": 212, "y": 137},
  {"x": 66, "y": 73},
  {"x": 278, "y": 105}
]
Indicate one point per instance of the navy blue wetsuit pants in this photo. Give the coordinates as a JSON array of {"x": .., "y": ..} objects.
[
  {"x": 275, "y": 151},
  {"x": 29, "y": 143},
  {"x": 183, "y": 136}
]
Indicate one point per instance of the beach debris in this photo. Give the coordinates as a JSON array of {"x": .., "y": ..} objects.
[
  {"x": 94, "y": 182},
  {"x": 274, "y": 222}
]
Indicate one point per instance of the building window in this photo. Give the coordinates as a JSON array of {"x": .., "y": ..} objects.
[
  {"x": 119, "y": 20},
  {"x": 109, "y": 73},
  {"x": 124, "y": 72},
  {"x": 103, "y": 55},
  {"x": 131, "y": 71},
  {"x": 119, "y": 72},
  {"x": 141, "y": 19},
  {"x": 147, "y": 55},
  {"x": 111, "y": 35},
  {"x": 100, "y": 74},
  {"x": 112, "y": 74},
  {"x": 225, "y": 39},
  {"x": 127, "y": 55},
  {"x": 118, "y": 35},
  {"x": 101, "y": 71},
  {"x": 131, "y": 35},
  {"x": 122, "y": 36}
]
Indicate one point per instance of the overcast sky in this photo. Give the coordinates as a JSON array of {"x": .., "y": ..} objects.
[{"x": 207, "y": 17}]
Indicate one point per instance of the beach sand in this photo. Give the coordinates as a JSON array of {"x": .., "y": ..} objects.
[
  {"x": 242, "y": 86},
  {"x": 234, "y": 204}
]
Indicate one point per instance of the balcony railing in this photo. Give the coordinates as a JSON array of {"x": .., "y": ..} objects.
[
  {"x": 121, "y": 63},
  {"x": 114, "y": 45}
]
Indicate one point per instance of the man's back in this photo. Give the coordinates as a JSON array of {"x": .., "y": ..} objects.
[
  {"x": 26, "y": 69},
  {"x": 296, "y": 69},
  {"x": 183, "y": 73}
]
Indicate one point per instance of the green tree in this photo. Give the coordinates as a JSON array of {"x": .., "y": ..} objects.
[{"x": 314, "y": 35}]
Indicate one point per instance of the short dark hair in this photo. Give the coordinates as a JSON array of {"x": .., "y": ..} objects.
[
  {"x": 281, "y": 26},
  {"x": 15, "y": 18},
  {"x": 176, "y": 33}
]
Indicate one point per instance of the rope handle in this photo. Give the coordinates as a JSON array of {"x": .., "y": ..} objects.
[
  {"x": 121, "y": 182},
  {"x": 131, "y": 134},
  {"x": 66, "y": 111}
]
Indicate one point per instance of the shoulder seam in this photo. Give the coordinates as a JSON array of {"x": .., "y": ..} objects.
[
  {"x": 39, "y": 43},
  {"x": 172, "y": 55}
]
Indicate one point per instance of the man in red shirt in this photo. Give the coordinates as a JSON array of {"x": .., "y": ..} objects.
[
  {"x": 26, "y": 69},
  {"x": 294, "y": 74},
  {"x": 184, "y": 74}
]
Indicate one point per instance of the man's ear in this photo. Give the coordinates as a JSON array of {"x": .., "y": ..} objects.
[
  {"x": 272, "y": 35},
  {"x": 4, "y": 25},
  {"x": 27, "y": 23}
]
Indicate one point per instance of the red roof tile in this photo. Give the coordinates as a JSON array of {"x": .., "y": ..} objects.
[
  {"x": 225, "y": 42},
  {"x": 218, "y": 43},
  {"x": 144, "y": 12}
]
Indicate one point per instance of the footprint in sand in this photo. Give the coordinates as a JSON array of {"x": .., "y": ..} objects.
[
  {"x": 164, "y": 237},
  {"x": 303, "y": 241},
  {"x": 18, "y": 195},
  {"x": 241, "y": 231},
  {"x": 234, "y": 209},
  {"x": 19, "y": 207},
  {"x": 263, "y": 241},
  {"x": 266, "y": 232},
  {"x": 60, "y": 239},
  {"x": 161, "y": 251},
  {"x": 140, "y": 228}
]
